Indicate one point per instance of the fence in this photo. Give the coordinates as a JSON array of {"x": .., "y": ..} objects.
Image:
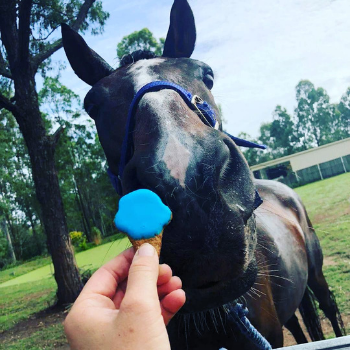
[
  {"x": 337, "y": 343},
  {"x": 324, "y": 170}
]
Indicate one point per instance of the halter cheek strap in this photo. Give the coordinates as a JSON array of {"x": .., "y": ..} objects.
[{"x": 202, "y": 108}]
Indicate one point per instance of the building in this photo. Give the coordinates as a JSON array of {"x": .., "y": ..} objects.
[{"x": 307, "y": 166}]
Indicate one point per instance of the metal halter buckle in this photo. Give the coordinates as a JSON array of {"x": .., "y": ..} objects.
[{"x": 198, "y": 100}]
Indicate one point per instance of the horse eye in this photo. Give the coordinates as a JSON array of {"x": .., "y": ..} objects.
[{"x": 209, "y": 80}]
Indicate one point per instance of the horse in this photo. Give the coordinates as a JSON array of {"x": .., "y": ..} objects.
[{"x": 224, "y": 247}]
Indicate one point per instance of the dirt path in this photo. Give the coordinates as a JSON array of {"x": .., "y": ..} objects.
[{"x": 33, "y": 324}]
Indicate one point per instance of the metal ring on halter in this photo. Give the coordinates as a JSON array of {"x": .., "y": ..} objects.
[{"x": 198, "y": 100}]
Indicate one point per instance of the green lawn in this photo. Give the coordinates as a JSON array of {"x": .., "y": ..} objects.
[
  {"x": 327, "y": 203},
  {"x": 89, "y": 259},
  {"x": 22, "y": 269},
  {"x": 35, "y": 291},
  {"x": 328, "y": 206}
]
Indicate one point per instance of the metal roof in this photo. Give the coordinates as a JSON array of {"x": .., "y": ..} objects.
[{"x": 299, "y": 154}]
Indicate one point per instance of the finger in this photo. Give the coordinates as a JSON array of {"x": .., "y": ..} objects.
[
  {"x": 141, "y": 288},
  {"x": 171, "y": 304},
  {"x": 165, "y": 274},
  {"x": 166, "y": 288},
  {"x": 106, "y": 279}
]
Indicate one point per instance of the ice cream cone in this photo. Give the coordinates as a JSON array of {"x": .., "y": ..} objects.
[{"x": 155, "y": 241}]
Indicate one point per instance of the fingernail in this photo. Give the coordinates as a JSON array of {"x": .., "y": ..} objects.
[{"x": 146, "y": 250}]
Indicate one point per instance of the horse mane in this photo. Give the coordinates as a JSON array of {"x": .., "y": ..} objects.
[{"x": 136, "y": 56}]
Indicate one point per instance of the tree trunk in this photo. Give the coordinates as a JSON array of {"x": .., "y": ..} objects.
[
  {"x": 86, "y": 217},
  {"x": 103, "y": 229},
  {"x": 41, "y": 148},
  {"x": 9, "y": 241}
]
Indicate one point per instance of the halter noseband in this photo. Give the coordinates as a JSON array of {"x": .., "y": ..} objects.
[{"x": 194, "y": 102}]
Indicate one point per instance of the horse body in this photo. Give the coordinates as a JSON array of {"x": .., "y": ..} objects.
[
  {"x": 281, "y": 256},
  {"x": 217, "y": 243}
]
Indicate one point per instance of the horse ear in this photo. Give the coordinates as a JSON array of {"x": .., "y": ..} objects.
[
  {"x": 86, "y": 63},
  {"x": 181, "y": 35}
]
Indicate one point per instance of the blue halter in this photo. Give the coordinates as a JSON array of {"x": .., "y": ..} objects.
[{"x": 202, "y": 108}]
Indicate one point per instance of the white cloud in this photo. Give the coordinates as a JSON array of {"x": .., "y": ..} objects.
[{"x": 259, "y": 50}]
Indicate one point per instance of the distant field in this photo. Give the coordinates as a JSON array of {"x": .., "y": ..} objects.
[{"x": 21, "y": 298}]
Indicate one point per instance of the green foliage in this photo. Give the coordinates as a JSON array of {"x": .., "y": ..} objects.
[
  {"x": 140, "y": 40},
  {"x": 83, "y": 245},
  {"x": 47, "y": 16},
  {"x": 88, "y": 196},
  {"x": 58, "y": 103},
  {"x": 76, "y": 237},
  {"x": 4, "y": 252},
  {"x": 96, "y": 235}
]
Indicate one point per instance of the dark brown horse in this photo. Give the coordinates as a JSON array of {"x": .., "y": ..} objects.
[{"x": 269, "y": 259}]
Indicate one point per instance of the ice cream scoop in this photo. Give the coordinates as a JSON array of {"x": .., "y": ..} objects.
[{"x": 142, "y": 216}]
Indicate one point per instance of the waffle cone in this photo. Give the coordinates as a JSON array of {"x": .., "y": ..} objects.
[{"x": 155, "y": 241}]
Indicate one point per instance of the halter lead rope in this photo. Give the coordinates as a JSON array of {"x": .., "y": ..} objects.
[{"x": 238, "y": 315}]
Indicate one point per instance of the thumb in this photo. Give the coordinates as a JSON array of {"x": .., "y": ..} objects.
[{"x": 143, "y": 276}]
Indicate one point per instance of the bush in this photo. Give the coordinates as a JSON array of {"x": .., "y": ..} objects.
[
  {"x": 76, "y": 237},
  {"x": 96, "y": 235},
  {"x": 83, "y": 245}
]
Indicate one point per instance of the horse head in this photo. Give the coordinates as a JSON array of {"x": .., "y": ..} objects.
[{"x": 197, "y": 170}]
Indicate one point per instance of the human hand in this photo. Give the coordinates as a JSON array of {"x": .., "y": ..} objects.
[{"x": 126, "y": 304}]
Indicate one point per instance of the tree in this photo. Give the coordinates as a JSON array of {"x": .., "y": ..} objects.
[
  {"x": 341, "y": 123},
  {"x": 313, "y": 115},
  {"x": 315, "y": 122},
  {"x": 140, "y": 40},
  {"x": 26, "y": 27}
]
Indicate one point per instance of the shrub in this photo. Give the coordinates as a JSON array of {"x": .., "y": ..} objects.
[
  {"x": 83, "y": 245},
  {"x": 76, "y": 237},
  {"x": 96, "y": 235}
]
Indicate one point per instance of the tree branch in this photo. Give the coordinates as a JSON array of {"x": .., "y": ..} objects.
[
  {"x": 57, "y": 135},
  {"x": 82, "y": 14},
  {"x": 51, "y": 49},
  {"x": 8, "y": 29},
  {"x": 24, "y": 30},
  {"x": 4, "y": 71},
  {"x": 7, "y": 104}
]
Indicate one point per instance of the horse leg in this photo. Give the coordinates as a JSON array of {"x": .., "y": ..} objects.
[
  {"x": 327, "y": 302},
  {"x": 309, "y": 313},
  {"x": 293, "y": 326}
]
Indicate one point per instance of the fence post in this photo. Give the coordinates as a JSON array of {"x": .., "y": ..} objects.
[
  {"x": 319, "y": 169},
  {"x": 341, "y": 158}
]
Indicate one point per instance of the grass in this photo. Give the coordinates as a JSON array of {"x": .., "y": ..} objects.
[
  {"x": 23, "y": 268},
  {"x": 89, "y": 259},
  {"x": 49, "y": 337},
  {"x": 21, "y": 297},
  {"x": 20, "y": 301},
  {"x": 328, "y": 206},
  {"x": 28, "y": 294}
]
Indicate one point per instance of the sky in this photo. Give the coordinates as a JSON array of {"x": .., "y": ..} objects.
[{"x": 259, "y": 50}]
